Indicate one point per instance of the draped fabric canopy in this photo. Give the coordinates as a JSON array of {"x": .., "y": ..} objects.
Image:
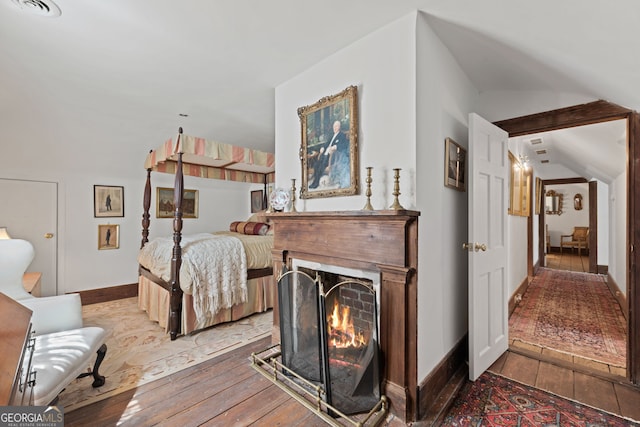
[{"x": 210, "y": 159}]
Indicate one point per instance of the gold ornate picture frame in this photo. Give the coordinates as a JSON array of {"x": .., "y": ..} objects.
[
  {"x": 165, "y": 207},
  {"x": 329, "y": 148},
  {"x": 108, "y": 236}
]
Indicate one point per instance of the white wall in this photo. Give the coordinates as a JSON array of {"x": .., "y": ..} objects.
[
  {"x": 35, "y": 154},
  {"x": 563, "y": 224},
  {"x": 386, "y": 104},
  {"x": 604, "y": 223},
  {"x": 618, "y": 248},
  {"x": 408, "y": 103},
  {"x": 444, "y": 100}
]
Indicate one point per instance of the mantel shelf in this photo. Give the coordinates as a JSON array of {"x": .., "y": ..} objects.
[{"x": 359, "y": 213}]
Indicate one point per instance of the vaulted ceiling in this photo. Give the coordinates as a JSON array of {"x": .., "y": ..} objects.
[{"x": 138, "y": 66}]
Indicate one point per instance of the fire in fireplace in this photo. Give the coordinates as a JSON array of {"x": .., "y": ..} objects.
[{"x": 329, "y": 335}]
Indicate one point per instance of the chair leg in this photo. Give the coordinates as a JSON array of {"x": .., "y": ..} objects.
[{"x": 98, "y": 380}]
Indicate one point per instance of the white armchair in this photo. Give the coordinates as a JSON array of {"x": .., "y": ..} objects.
[
  {"x": 15, "y": 257},
  {"x": 63, "y": 346}
]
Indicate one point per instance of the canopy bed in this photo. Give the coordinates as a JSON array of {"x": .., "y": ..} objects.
[{"x": 190, "y": 282}]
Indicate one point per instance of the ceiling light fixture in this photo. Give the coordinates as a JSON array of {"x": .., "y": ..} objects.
[{"x": 45, "y": 8}]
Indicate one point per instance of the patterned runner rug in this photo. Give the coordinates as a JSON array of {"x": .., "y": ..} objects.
[
  {"x": 139, "y": 351},
  {"x": 496, "y": 401},
  {"x": 573, "y": 313}
]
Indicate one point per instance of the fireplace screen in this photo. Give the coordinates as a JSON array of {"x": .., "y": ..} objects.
[{"x": 329, "y": 336}]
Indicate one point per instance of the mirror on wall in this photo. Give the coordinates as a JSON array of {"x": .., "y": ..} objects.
[{"x": 553, "y": 203}]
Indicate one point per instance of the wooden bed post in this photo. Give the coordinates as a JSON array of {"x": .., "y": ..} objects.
[
  {"x": 146, "y": 205},
  {"x": 176, "y": 260}
]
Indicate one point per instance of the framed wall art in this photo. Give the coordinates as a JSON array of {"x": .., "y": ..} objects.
[
  {"x": 329, "y": 148},
  {"x": 519, "y": 188},
  {"x": 455, "y": 161},
  {"x": 165, "y": 207},
  {"x": 108, "y": 236},
  {"x": 257, "y": 201},
  {"x": 108, "y": 201}
]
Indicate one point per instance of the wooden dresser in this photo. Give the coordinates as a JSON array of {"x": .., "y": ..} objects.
[{"x": 16, "y": 376}]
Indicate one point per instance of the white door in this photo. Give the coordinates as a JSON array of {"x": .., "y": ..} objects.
[
  {"x": 488, "y": 278},
  {"x": 29, "y": 211}
]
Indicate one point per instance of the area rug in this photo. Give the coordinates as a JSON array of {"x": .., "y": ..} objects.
[
  {"x": 496, "y": 401},
  {"x": 139, "y": 350},
  {"x": 573, "y": 313}
]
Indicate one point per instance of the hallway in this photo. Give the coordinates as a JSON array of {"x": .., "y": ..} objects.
[
  {"x": 572, "y": 313},
  {"x": 555, "y": 367}
]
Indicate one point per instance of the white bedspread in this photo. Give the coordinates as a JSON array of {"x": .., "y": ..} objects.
[{"x": 214, "y": 269}]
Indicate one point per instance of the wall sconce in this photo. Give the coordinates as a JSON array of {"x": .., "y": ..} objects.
[
  {"x": 4, "y": 234},
  {"x": 577, "y": 202}
]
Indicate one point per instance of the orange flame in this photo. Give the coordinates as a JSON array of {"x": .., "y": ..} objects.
[{"x": 342, "y": 333}]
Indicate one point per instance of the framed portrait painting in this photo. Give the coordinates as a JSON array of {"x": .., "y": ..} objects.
[
  {"x": 454, "y": 165},
  {"x": 108, "y": 201},
  {"x": 108, "y": 236},
  {"x": 329, "y": 148},
  {"x": 165, "y": 206}
]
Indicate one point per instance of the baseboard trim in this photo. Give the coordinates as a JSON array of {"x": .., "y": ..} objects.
[
  {"x": 94, "y": 296},
  {"x": 618, "y": 295},
  {"x": 437, "y": 390},
  {"x": 603, "y": 269}
]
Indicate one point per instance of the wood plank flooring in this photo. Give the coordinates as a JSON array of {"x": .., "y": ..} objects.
[
  {"x": 225, "y": 391},
  {"x": 567, "y": 261},
  {"x": 552, "y": 372}
]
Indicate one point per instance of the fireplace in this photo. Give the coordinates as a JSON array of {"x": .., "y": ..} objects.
[
  {"x": 329, "y": 335},
  {"x": 382, "y": 245}
]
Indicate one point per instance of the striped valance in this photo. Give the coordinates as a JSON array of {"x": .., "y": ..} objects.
[{"x": 210, "y": 159}]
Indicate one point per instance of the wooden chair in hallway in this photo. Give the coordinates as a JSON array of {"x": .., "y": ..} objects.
[{"x": 578, "y": 239}]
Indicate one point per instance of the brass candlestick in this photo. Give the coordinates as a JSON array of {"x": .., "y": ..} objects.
[
  {"x": 396, "y": 190},
  {"x": 367, "y": 206},
  {"x": 293, "y": 195}
]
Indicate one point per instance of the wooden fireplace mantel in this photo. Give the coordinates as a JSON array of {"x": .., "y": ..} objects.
[{"x": 380, "y": 241}]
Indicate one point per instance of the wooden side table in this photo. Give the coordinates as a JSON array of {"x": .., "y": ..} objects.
[{"x": 31, "y": 283}]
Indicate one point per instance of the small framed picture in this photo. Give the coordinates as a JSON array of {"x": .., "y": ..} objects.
[
  {"x": 165, "y": 206},
  {"x": 108, "y": 201},
  {"x": 108, "y": 236},
  {"x": 257, "y": 201},
  {"x": 454, "y": 165}
]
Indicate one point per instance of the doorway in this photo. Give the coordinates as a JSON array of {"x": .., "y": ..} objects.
[
  {"x": 571, "y": 227},
  {"x": 29, "y": 211},
  {"x": 596, "y": 112}
]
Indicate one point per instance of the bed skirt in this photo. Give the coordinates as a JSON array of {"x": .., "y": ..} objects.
[{"x": 154, "y": 299}]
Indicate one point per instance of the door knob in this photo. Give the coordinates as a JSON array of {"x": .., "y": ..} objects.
[
  {"x": 480, "y": 247},
  {"x": 48, "y": 236},
  {"x": 474, "y": 247}
]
